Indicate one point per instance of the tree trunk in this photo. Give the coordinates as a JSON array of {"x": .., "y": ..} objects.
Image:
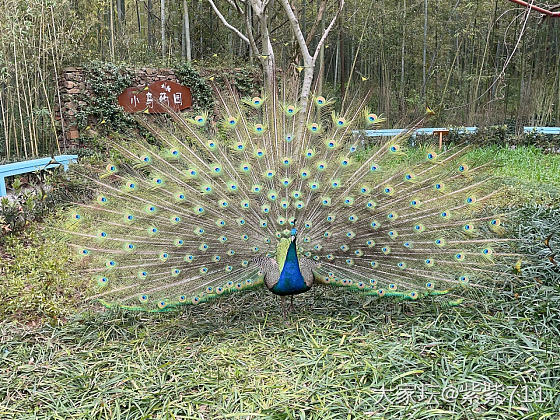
[
  {"x": 138, "y": 19},
  {"x": 321, "y": 74},
  {"x": 341, "y": 55},
  {"x": 163, "y": 40},
  {"x": 402, "y": 54},
  {"x": 121, "y": 14},
  {"x": 150, "y": 23},
  {"x": 112, "y": 30},
  {"x": 424, "y": 50},
  {"x": 186, "y": 50}
]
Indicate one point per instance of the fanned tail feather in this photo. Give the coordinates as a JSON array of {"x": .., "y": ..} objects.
[{"x": 182, "y": 221}]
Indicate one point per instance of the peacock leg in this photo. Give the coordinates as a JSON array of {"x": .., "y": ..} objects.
[
  {"x": 284, "y": 309},
  {"x": 291, "y": 305}
]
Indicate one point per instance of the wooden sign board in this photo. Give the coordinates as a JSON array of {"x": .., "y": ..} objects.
[{"x": 157, "y": 98}]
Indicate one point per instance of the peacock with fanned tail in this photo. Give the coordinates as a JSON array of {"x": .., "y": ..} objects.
[{"x": 270, "y": 193}]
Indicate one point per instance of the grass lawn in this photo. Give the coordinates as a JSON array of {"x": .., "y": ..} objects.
[{"x": 339, "y": 355}]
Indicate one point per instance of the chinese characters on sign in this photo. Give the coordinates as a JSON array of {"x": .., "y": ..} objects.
[{"x": 157, "y": 98}]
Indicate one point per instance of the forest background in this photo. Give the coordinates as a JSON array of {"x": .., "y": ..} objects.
[{"x": 475, "y": 62}]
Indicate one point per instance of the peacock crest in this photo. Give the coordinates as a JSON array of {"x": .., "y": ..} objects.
[{"x": 274, "y": 193}]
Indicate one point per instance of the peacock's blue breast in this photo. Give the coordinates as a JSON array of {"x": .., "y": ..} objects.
[{"x": 291, "y": 281}]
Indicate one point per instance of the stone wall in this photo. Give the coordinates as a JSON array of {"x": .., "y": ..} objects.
[{"x": 73, "y": 86}]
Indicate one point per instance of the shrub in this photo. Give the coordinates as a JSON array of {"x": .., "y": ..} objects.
[{"x": 38, "y": 280}]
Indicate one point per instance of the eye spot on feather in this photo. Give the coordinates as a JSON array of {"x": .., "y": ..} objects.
[
  {"x": 388, "y": 190},
  {"x": 419, "y": 228}
]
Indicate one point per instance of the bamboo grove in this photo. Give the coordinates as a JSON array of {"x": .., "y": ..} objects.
[{"x": 474, "y": 61}]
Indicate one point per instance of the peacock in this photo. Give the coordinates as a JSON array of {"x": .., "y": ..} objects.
[{"x": 284, "y": 193}]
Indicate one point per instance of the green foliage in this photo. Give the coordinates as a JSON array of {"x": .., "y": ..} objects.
[
  {"x": 539, "y": 229},
  {"x": 246, "y": 80},
  {"x": 38, "y": 279},
  {"x": 504, "y": 135},
  {"x": 31, "y": 203},
  {"x": 106, "y": 81},
  {"x": 202, "y": 94}
]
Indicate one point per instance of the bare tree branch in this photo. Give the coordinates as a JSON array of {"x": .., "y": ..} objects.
[
  {"x": 307, "y": 59},
  {"x": 318, "y": 19},
  {"x": 326, "y": 33},
  {"x": 226, "y": 24},
  {"x": 252, "y": 42}
]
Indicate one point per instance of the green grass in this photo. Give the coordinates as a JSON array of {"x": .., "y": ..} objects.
[
  {"x": 339, "y": 355},
  {"x": 237, "y": 358}
]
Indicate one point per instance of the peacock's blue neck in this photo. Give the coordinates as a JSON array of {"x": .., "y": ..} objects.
[{"x": 291, "y": 280}]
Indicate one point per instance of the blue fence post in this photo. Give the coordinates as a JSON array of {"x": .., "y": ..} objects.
[{"x": 2, "y": 187}]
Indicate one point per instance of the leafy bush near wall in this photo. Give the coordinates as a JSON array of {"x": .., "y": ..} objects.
[
  {"x": 202, "y": 94},
  {"x": 106, "y": 81},
  {"x": 246, "y": 80}
]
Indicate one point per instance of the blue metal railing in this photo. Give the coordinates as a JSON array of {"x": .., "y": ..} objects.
[{"x": 27, "y": 166}]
